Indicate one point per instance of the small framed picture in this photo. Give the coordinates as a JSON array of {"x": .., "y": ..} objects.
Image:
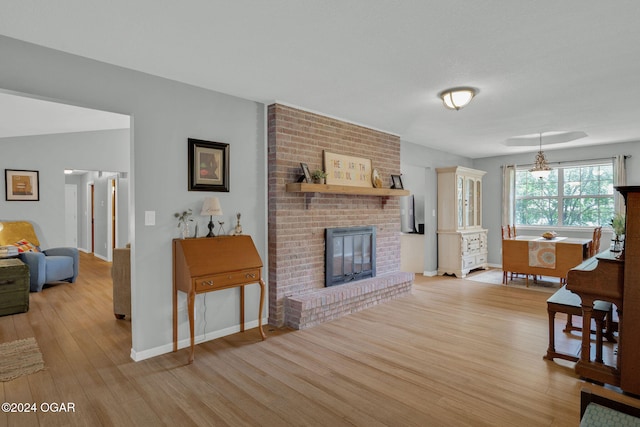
[
  {"x": 22, "y": 185},
  {"x": 396, "y": 182},
  {"x": 208, "y": 166},
  {"x": 307, "y": 173}
]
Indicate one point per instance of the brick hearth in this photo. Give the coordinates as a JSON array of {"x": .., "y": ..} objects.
[
  {"x": 321, "y": 305},
  {"x": 297, "y": 221}
]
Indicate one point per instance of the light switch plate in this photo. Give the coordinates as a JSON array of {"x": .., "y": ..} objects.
[{"x": 149, "y": 217}]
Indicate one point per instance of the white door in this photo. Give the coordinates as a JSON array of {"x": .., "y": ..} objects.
[{"x": 71, "y": 215}]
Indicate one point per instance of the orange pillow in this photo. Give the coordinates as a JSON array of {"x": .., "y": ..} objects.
[{"x": 26, "y": 246}]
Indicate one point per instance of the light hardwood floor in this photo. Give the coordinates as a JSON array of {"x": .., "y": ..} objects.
[{"x": 454, "y": 353}]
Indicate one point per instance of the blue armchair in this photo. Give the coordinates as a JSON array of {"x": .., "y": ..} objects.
[{"x": 48, "y": 266}]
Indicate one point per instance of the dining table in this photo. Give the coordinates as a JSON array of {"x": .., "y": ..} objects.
[{"x": 539, "y": 256}]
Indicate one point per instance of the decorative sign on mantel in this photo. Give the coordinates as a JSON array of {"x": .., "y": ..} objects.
[{"x": 347, "y": 170}]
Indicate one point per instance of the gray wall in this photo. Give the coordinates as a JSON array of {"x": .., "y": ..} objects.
[
  {"x": 492, "y": 185},
  {"x": 164, "y": 114},
  {"x": 77, "y": 181},
  {"x": 421, "y": 162},
  {"x": 50, "y": 155},
  {"x": 122, "y": 211}
]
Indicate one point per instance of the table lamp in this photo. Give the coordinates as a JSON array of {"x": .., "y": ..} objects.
[{"x": 211, "y": 206}]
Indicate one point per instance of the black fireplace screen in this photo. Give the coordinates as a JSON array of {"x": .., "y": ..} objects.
[{"x": 350, "y": 254}]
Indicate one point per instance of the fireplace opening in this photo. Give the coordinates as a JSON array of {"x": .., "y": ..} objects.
[{"x": 350, "y": 254}]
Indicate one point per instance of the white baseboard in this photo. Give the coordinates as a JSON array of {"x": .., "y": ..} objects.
[
  {"x": 100, "y": 256},
  {"x": 430, "y": 273},
  {"x": 137, "y": 356}
]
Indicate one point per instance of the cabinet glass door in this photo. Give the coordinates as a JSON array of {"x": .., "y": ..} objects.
[
  {"x": 460, "y": 201},
  {"x": 478, "y": 202},
  {"x": 471, "y": 203}
]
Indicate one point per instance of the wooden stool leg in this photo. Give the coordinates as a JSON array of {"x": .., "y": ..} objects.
[
  {"x": 608, "y": 326},
  {"x": 599, "y": 327},
  {"x": 569, "y": 326},
  {"x": 551, "y": 351},
  {"x": 585, "y": 348}
]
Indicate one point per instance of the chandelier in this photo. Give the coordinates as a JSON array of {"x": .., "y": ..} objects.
[{"x": 540, "y": 168}]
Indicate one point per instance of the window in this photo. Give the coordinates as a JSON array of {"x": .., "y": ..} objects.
[{"x": 575, "y": 195}]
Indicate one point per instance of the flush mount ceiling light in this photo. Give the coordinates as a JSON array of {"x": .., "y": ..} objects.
[
  {"x": 458, "y": 97},
  {"x": 540, "y": 169}
]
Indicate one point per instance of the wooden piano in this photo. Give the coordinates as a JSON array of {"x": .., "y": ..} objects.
[
  {"x": 608, "y": 277},
  {"x": 597, "y": 278}
]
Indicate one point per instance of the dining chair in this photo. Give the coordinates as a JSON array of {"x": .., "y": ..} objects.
[
  {"x": 594, "y": 247},
  {"x": 508, "y": 232},
  {"x": 505, "y": 235},
  {"x": 505, "y": 232}
]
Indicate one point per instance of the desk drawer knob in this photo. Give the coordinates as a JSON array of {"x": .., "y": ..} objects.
[
  {"x": 208, "y": 283},
  {"x": 250, "y": 275}
]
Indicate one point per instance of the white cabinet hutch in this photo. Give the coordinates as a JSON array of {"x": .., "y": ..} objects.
[{"x": 462, "y": 242}]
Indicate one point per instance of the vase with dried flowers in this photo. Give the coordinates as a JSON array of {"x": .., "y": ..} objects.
[
  {"x": 619, "y": 226},
  {"x": 184, "y": 219}
]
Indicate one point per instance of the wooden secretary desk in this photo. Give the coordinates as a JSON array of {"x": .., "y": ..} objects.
[{"x": 209, "y": 264}]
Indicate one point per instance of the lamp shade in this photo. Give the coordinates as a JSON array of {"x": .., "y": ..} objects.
[
  {"x": 457, "y": 98},
  {"x": 541, "y": 173},
  {"x": 211, "y": 206}
]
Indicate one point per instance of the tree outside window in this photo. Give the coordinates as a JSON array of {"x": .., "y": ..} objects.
[{"x": 580, "y": 195}]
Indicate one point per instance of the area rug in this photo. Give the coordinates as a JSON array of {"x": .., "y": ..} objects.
[
  {"x": 20, "y": 357},
  {"x": 494, "y": 276}
]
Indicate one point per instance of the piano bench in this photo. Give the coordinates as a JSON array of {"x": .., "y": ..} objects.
[{"x": 565, "y": 301}]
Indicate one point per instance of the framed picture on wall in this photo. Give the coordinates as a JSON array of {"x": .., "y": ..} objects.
[
  {"x": 22, "y": 185},
  {"x": 208, "y": 165}
]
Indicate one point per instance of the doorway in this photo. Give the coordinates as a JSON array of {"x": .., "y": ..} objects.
[
  {"x": 90, "y": 139},
  {"x": 106, "y": 207}
]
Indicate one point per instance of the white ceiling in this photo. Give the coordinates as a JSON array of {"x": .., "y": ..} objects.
[{"x": 539, "y": 66}]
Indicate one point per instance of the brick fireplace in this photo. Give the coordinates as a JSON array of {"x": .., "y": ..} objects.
[{"x": 297, "y": 221}]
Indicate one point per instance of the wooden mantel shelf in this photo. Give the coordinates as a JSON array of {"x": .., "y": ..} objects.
[{"x": 303, "y": 187}]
